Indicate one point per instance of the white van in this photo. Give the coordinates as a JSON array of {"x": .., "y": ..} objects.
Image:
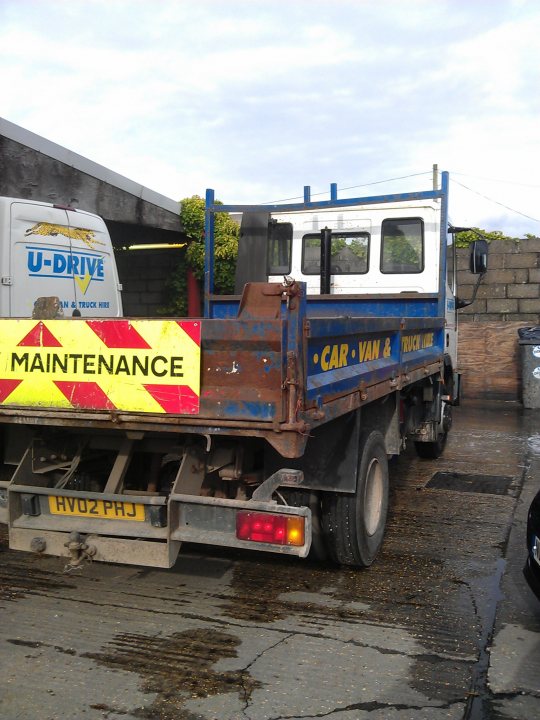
[{"x": 50, "y": 250}]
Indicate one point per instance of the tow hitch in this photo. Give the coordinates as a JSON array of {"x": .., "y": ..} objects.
[{"x": 79, "y": 550}]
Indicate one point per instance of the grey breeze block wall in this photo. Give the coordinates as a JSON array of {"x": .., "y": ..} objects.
[
  {"x": 507, "y": 299},
  {"x": 144, "y": 274}
]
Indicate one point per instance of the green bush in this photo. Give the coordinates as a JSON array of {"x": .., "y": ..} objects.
[
  {"x": 226, "y": 232},
  {"x": 464, "y": 239}
]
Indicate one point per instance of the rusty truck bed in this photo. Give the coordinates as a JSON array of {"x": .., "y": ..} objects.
[{"x": 272, "y": 376}]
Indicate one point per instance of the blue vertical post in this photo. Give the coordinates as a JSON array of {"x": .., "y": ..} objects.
[
  {"x": 333, "y": 191},
  {"x": 307, "y": 194},
  {"x": 444, "y": 243},
  {"x": 208, "y": 251}
]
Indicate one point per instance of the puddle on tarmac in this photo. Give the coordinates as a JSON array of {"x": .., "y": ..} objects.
[
  {"x": 259, "y": 589},
  {"x": 402, "y": 588},
  {"x": 176, "y": 668},
  {"x": 419, "y": 581}
]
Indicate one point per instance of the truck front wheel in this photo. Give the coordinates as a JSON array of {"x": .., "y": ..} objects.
[
  {"x": 433, "y": 450},
  {"x": 354, "y": 525}
]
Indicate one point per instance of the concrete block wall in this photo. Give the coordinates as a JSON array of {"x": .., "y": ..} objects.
[
  {"x": 507, "y": 299},
  {"x": 510, "y": 291},
  {"x": 144, "y": 274}
]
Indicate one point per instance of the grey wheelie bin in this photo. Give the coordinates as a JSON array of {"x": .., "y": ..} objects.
[{"x": 529, "y": 351}]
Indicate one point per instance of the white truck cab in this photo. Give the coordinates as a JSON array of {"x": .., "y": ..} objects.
[
  {"x": 50, "y": 250},
  {"x": 379, "y": 249},
  {"x": 375, "y": 249}
]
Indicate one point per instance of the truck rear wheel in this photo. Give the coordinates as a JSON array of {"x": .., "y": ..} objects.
[{"x": 354, "y": 524}]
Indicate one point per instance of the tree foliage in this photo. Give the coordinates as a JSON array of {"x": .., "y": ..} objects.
[
  {"x": 226, "y": 249},
  {"x": 464, "y": 239},
  {"x": 401, "y": 250},
  {"x": 226, "y": 232}
]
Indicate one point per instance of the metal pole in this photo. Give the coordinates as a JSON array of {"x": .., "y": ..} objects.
[
  {"x": 326, "y": 260},
  {"x": 443, "y": 244},
  {"x": 208, "y": 251}
]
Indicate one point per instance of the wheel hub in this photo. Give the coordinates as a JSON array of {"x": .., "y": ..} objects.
[{"x": 373, "y": 497}]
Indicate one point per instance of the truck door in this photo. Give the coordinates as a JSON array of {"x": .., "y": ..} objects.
[{"x": 40, "y": 257}]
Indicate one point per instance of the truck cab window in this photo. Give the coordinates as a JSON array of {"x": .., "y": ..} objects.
[
  {"x": 402, "y": 246},
  {"x": 350, "y": 253},
  {"x": 278, "y": 259}
]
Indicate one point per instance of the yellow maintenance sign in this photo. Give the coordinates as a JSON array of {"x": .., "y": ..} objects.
[{"x": 107, "y": 364}]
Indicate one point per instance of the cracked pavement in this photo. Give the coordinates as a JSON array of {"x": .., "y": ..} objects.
[{"x": 442, "y": 626}]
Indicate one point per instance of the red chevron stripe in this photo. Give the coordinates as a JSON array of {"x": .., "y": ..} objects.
[
  {"x": 175, "y": 399},
  {"x": 40, "y": 336},
  {"x": 193, "y": 329},
  {"x": 85, "y": 395},
  {"x": 118, "y": 334},
  {"x": 7, "y": 387}
]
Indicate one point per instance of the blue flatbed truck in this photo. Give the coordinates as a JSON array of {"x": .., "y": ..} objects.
[{"x": 268, "y": 423}]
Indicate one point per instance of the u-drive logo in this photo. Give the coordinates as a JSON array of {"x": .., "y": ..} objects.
[{"x": 83, "y": 267}]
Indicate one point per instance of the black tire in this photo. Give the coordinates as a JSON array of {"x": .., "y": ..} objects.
[
  {"x": 354, "y": 525},
  {"x": 431, "y": 450}
]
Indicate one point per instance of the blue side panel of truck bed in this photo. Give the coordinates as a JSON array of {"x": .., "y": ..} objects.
[
  {"x": 335, "y": 306},
  {"x": 344, "y": 355}
]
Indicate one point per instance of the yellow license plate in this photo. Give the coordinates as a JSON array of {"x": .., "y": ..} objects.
[{"x": 86, "y": 507}]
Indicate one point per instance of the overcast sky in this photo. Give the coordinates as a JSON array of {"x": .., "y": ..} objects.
[{"x": 259, "y": 98}]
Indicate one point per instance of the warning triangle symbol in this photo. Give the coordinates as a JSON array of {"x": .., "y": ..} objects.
[{"x": 40, "y": 336}]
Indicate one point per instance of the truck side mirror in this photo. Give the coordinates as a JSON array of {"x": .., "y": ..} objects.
[{"x": 479, "y": 257}]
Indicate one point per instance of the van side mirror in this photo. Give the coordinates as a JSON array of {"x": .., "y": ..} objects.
[{"x": 479, "y": 257}]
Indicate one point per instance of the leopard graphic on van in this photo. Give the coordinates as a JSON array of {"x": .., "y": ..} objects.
[{"x": 49, "y": 229}]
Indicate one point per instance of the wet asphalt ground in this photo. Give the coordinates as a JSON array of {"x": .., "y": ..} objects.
[{"x": 442, "y": 626}]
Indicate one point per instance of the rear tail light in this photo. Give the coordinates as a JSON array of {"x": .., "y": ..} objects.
[{"x": 268, "y": 528}]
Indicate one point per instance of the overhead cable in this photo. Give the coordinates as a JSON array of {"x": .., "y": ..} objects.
[
  {"x": 350, "y": 187},
  {"x": 507, "y": 182},
  {"x": 513, "y": 210}
]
